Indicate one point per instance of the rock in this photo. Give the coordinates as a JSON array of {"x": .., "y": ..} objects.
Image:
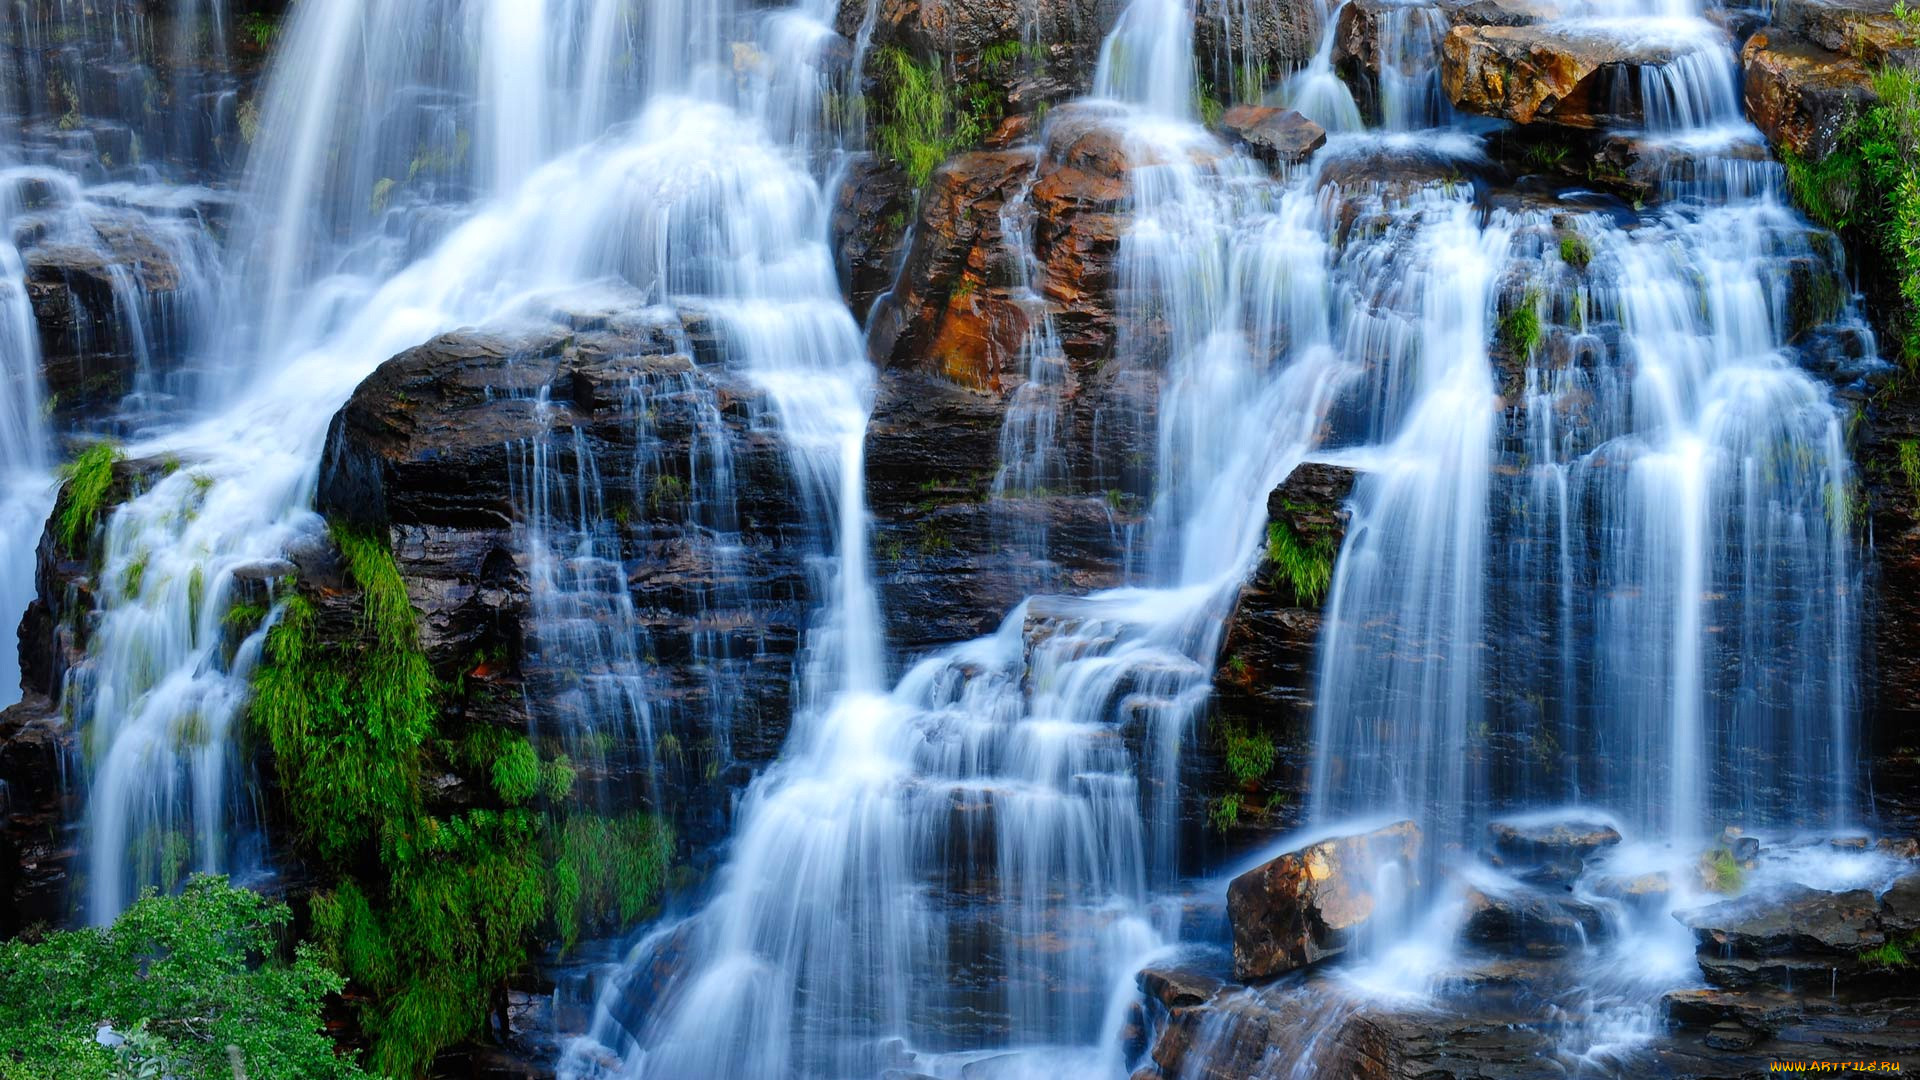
[
  {"x": 872, "y": 209},
  {"x": 1546, "y": 73},
  {"x": 1530, "y": 923},
  {"x": 1276, "y": 136},
  {"x": 1177, "y": 988},
  {"x": 1533, "y": 841},
  {"x": 1866, "y": 30},
  {"x": 952, "y": 311},
  {"x": 90, "y": 294},
  {"x": 1786, "y": 937},
  {"x": 1800, "y": 95},
  {"x": 434, "y": 451},
  {"x": 1271, "y": 37},
  {"x": 38, "y": 842},
  {"x": 1644, "y": 892},
  {"x": 1307, "y": 905}
]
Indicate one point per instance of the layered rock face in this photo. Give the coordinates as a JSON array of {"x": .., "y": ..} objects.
[
  {"x": 466, "y": 449},
  {"x": 1011, "y": 275}
]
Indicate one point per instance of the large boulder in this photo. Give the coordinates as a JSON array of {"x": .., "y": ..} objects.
[
  {"x": 1802, "y": 96},
  {"x": 1530, "y": 922},
  {"x": 1796, "y": 936},
  {"x": 1872, "y": 31},
  {"x": 1311, "y": 904},
  {"x": 1566, "y": 75}
]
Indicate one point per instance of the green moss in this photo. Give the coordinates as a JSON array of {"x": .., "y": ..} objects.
[
  {"x": 1520, "y": 329},
  {"x": 607, "y": 871},
  {"x": 1910, "y": 466},
  {"x": 922, "y": 117},
  {"x": 516, "y": 772},
  {"x": 1249, "y": 754},
  {"x": 1224, "y": 812},
  {"x": 1723, "y": 872},
  {"x": 1302, "y": 563},
  {"x": 1894, "y": 954},
  {"x": 88, "y": 478},
  {"x": 430, "y": 911},
  {"x": 1575, "y": 251}
]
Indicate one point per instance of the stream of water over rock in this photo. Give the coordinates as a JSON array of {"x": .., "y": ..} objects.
[{"x": 1624, "y": 536}]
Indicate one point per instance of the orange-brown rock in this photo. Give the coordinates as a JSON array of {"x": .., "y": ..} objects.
[
  {"x": 1276, "y": 136},
  {"x": 1308, "y": 905},
  {"x": 1540, "y": 73},
  {"x": 1801, "y": 95}
]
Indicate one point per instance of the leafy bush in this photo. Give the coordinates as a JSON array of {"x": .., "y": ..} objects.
[{"x": 181, "y": 979}]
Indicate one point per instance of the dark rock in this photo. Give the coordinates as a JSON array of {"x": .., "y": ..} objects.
[
  {"x": 1177, "y": 988},
  {"x": 37, "y": 806},
  {"x": 1306, "y": 905},
  {"x": 1271, "y": 37},
  {"x": 1534, "y": 841},
  {"x": 1530, "y": 923},
  {"x": 1276, "y": 136},
  {"x": 871, "y": 212},
  {"x": 88, "y": 298},
  {"x": 1787, "y": 937}
]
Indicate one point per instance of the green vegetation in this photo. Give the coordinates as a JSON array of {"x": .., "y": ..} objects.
[
  {"x": 923, "y": 117},
  {"x": 1303, "y": 563},
  {"x": 1520, "y": 329},
  {"x": 1893, "y": 954},
  {"x": 1910, "y": 466},
  {"x": 191, "y": 982},
  {"x": 1722, "y": 872},
  {"x": 431, "y": 910},
  {"x": 1249, "y": 756},
  {"x": 1868, "y": 189},
  {"x": 1575, "y": 251},
  {"x": 88, "y": 478},
  {"x": 258, "y": 30}
]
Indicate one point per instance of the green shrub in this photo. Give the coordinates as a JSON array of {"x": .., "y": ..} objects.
[
  {"x": 1520, "y": 329},
  {"x": 183, "y": 978}
]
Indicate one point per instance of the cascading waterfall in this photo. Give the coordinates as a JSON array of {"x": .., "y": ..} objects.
[
  {"x": 976, "y": 860},
  {"x": 685, "y": 202}
]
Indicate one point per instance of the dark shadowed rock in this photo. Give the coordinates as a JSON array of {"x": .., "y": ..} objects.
[
  {"x": 1531, "y": 841},
  {"x": 871, "y": 212},
  {"x": 1177, "y": 988},
  {"x": 1307, "y": 905},
  {"x": 1529, "y": 922},
  {"x": 1787, "y": 937}
]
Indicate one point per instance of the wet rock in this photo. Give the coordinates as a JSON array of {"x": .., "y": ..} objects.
[
  {"x": 1271, "y": 37},
  {"x": 952, "y": 310},
  {"x": 1536, "y": 841},
  {"x": 1646, "y": 893},
  {"x": 1789, "y": 937},
  {"x": 1530, "y": 923},
  {"x": 37, "y": 806},
  {"x": 1275, "y": 136},
  {"x": 88, "y": 299},
  {"x": 1177, "y": 988},
  {"x": 1544, "y": 73},
  {"x": 872, "y": 209},
  {"x": 1802, "y": 96},
  {"x": 1306, "y": 905}
]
